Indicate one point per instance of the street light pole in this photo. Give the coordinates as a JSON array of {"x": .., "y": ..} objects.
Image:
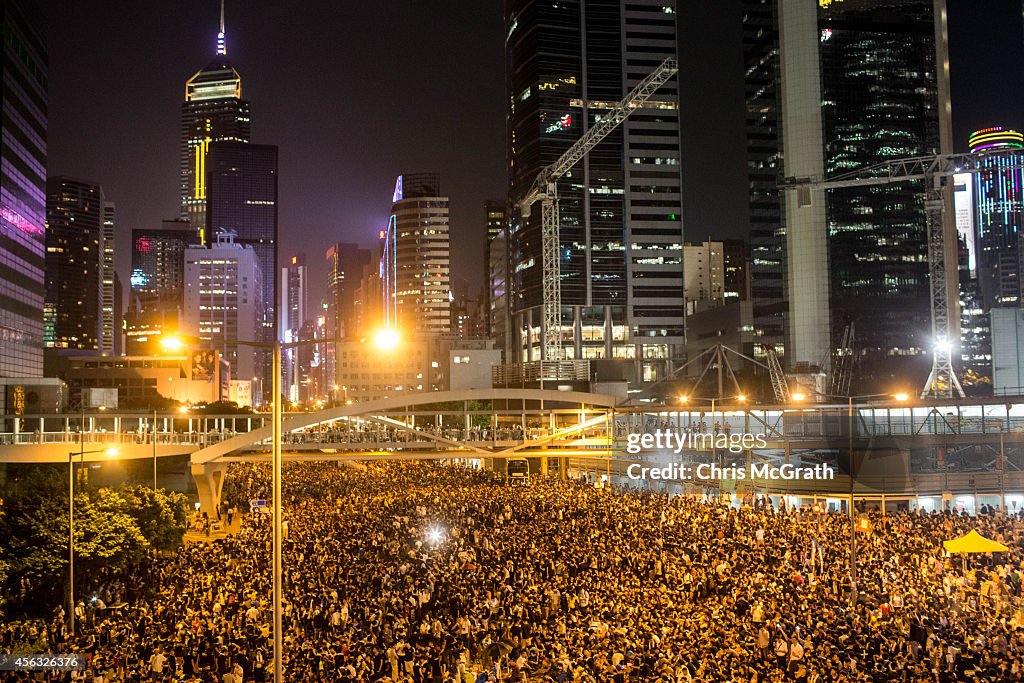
[
  {"x": 278, "y": 505},
  {"x": 71, "y": 523},
  {"x": 71, "y": 542},
  {"x": 154, "y": 448},
  {"x": 853, "y": 514},
  {"x": 277, "y": 546}
]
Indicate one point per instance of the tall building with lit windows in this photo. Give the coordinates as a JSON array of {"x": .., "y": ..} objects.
[
  {"x": 834, "y": 86},
  {"x": 109, "y": 310},
  {"x": 213, "y": 110},
  {"x": 415, "y": 261},
  {"x": 495, "y": 219},
  {"x": 224, "y": 302},
  {"x": 76, "y": 269},
  {"x": 24, "y": 71},
  {"x": 621, "y": 230},
  {"x": 998, "y": 197},
  {"x": 241, "y": 186},
  {"x": 764, "y": 166},
  {"x": 293, "y": 313},
  {"x": 156, "y": 301}
]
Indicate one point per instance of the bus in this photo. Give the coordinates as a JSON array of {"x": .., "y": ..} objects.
[{"x": 518, "y": 471}]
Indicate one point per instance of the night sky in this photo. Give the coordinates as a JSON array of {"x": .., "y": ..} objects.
[{"x": 355, "y": 93}]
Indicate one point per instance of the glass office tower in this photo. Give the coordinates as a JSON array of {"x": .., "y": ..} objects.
[
  {"x": 621, "y": 207},
  {"x": 22, "y": 191},
  {"x": 764, "y": 166},
  {"x": 74, "y": 264},
  {"x": 242, "y": 199},
  {"x": 858, "y": 82},
  {"x": 999, "y": 215},
  {"x": 213, "y": 110}
]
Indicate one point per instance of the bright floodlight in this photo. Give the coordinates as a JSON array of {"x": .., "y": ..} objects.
[
  {"x": 799, "y": 396},
  {"x": 435, "y": 535},
  {"x": 182, "y": 409},
  {"x": 172, "y": 343},
  {"x": 684, "y": 398},
  {"x": 741, "y": 398},
  {"x": 111, "y": 452},
  {"x": 385, "y": 339},
  {"x": 901, "y": 396},
  {"x": 943, "y": 345}
]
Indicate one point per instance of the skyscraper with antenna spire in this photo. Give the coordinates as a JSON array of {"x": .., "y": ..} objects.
[{"x": 213, "y": 110}]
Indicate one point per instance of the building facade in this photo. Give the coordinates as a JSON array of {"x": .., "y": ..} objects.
[
  {"x": 293, "y": 318},
  {"x": 109, "y": 312},
  {"x": 620, "y": 225},
  {"x": 704, "y": 269},
  {"x": 495, "y": 220},
  {"x": 224, "y": 302},
  {"x": 415, "y": 261},
  {"x": 998, "y": 196},
  {"x": 764, "y": 166},
  {"x": 857, "y": 83},
  {"x": 75, "y": 264},
  {"x": 242, "y": 199},
  {"x": 213, "y": 111},
  {"x": 157, "y": 283},
  {"x": 499, "y": 315},
  {"x": 418, "y": 364},
  {"x": 345, "y": 265},
  {"x": 22, "y": 191}
]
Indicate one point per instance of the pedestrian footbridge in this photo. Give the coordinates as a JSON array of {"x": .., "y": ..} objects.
[{"x": 895, "y": 441}]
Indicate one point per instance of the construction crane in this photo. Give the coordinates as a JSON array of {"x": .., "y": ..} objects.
[
  {"x": 842, "y": 363},
  {"x": 935, "y": 171},
  {"x": 545, "y": 190},
  {"x": 780, "y": 387}
]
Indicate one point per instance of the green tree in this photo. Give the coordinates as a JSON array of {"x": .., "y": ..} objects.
[
  {"x": 161, "y": 515},
  {"x": 114, "y": 527}
]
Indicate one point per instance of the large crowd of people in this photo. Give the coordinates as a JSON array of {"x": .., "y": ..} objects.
[{"x": 423, "y": 573}]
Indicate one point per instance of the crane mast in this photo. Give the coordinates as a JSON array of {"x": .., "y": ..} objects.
[
  {"x": 934, "y": 170},
  {"x": 545, "y": 190}
]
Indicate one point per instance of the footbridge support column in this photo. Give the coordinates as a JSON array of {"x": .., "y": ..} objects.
[{"x": 210, "y": 482}]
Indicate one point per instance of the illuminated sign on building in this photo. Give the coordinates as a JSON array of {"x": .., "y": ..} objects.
[{"x": 560, "y": 125}]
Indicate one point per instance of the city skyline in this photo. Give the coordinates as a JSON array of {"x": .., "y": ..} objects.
[{"x": 341, "y": 170}]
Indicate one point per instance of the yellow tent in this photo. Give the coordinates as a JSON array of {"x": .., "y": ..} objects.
[{"x": 973, "y": 542}]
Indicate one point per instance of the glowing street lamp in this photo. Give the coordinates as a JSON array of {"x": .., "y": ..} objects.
[
  {"x": 386, "y": 339},
  {"x": 172, "y": 344}
]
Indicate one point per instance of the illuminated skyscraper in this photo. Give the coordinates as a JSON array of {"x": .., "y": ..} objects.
[
  {"x": 22, "y": 191},
  {"x": 999, "y": 215},
  {"x": 621, "y": 235},
  {"x": 224, "y": 301},
  {"x": 108, "y": 284},
  {"x": 764, "y": 166},
  {"x": 74, "y": 264},
  {"x": 293, "y": 317},
  {"x": 242, "y": 199},
  {"x": 213, "y": 110},
  {"x": 415, "y": 261},
  {"x": 857, "y": 82},
  {"x": 495, "y": 217}
]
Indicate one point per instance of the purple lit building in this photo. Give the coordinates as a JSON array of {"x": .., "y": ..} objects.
[{"x": 22, "y": 192}]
